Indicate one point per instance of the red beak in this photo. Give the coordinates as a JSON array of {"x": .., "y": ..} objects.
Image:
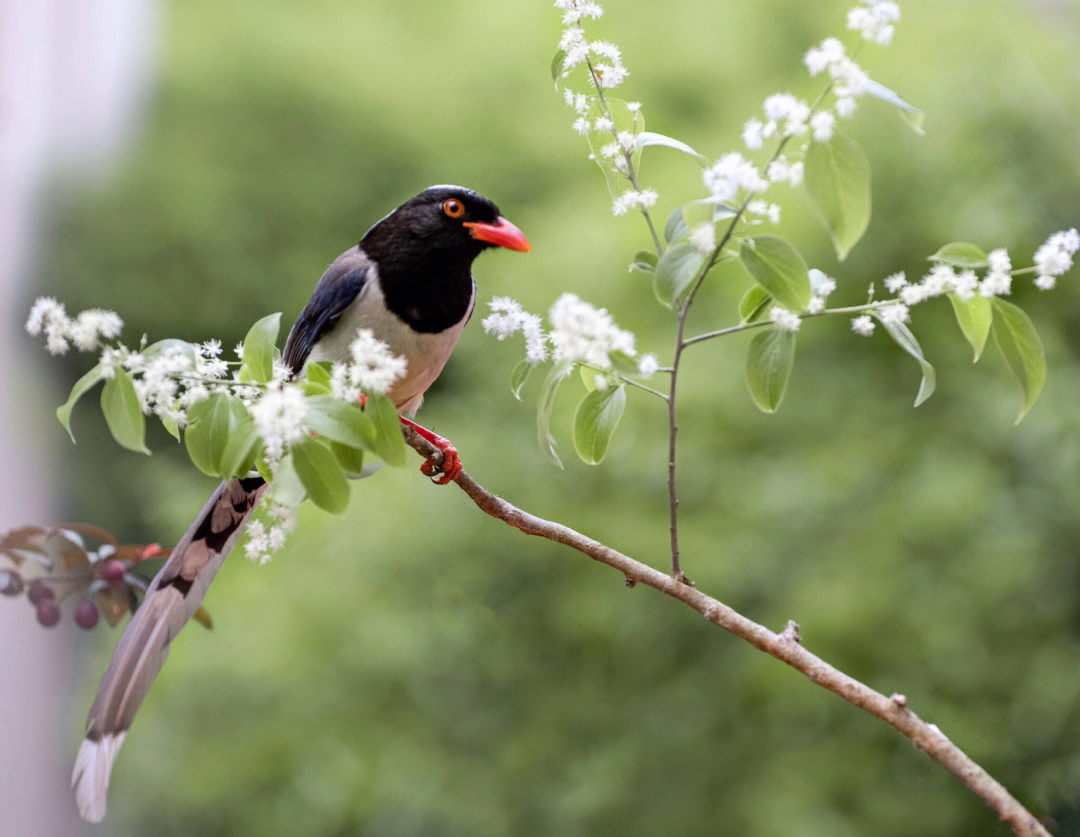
[{"x": 502, "y": 234}]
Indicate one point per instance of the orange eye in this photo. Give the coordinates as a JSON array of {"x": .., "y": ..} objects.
[{"x": 453, "y": 208}]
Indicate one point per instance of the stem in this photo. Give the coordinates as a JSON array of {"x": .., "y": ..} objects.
[
  {"x": 630, "y": 173},
  {"x": 628, "y": 381},
  {"x": 853, "y": 309},
  {"x": 784, "y": 646}
]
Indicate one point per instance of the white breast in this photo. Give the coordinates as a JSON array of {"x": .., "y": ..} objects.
[{"x": 426, "y": 354}]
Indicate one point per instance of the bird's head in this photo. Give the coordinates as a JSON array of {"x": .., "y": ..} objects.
[{"x": 447, "y": 220}]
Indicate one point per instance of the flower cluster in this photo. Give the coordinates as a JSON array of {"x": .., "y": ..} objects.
[
  {"x": 731, "y": 174},
  {"x": 265, "y": 538},
  {"x": 1055, "y": 257},
  {"x": 85, "y": 331},
  {"x": 604, "y": 59},
  {"x": 372, "y": 367},
  {"x": 507, "y": 318},
  {"x": 874, "y": 19},
  {"x": 279, "y": 419}
]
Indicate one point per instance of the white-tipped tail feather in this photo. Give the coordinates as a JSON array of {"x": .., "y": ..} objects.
[{"x": 90, "y": 779}]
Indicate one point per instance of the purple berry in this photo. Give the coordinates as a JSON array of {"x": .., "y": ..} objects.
[
  {"x": 39, "y": 591},
  {"x": 11, "y": 583},
  {"x": 86, "y": 614},
  {"x": 113, "y": 570},
  {"x": 48, "y": 612}
]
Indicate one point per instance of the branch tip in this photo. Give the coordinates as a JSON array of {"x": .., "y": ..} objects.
[
  {"x": 899, "y": 701},
  {"x": 791, "y": 632}
]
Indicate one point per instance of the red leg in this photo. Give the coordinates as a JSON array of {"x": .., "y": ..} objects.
[{"x": 451, "y": 466}]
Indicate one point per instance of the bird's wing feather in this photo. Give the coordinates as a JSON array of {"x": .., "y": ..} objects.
[{"x": 339, "y": 286}]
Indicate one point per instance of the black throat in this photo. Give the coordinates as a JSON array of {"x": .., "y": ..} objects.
[{"x": 427, "y": 287}]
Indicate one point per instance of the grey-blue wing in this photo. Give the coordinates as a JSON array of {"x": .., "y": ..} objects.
[{"x": 336, "y": 290}]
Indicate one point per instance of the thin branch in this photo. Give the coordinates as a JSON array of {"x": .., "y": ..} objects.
[
  {"x": 785, "y": 646},
  {"x": 828, "y": 312}
]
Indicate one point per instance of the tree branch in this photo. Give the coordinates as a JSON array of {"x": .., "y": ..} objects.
[{"x": 785, "y": 646}]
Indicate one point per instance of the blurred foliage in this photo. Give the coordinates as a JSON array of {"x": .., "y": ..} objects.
[{"x": 417, "y": 668}]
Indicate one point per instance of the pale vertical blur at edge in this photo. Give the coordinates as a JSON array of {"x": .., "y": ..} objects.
[{"x": 72, "y": 78}]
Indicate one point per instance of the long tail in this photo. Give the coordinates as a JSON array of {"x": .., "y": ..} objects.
[{"x": 171, "y": 600}]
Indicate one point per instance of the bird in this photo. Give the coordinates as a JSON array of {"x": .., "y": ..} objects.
[{"x": 409, "y": 281}]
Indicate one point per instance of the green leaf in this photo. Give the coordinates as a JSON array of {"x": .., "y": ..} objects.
[
  {"x": 768, "y": 367},
  {"x": 778, "y": 267},
  {"x": 838, "y": 180},
  {"x": 259, "y": 346},
  {"x": 321, "y": 475},
  {"x": 317, "y": 378},
  {"x": 390, "y": 444},
  {"x": 122, "y": 412},
  {"x": 554, "y": 378},
  {"x": 237, "y": 457},
  {"x": 350, "y": 459},
  {"x": 1022, "y": 348},
  {"x": 340, "y": 422},
  {"x": 286, "y": 487},
  {"x": 171, "y": 427},
  {"x": 974, "y": 316},
  {"x": 911, "y": 114},
  {"x": 645, "y": 261},
  {"x": 962, "y": 254},
  {"x": 210, "y": 424},
  {"x": 753, "y": 304},
  {"x": 518, "y": 376},
  {"x": 557, "y": 66},
  {"x": 906, "y": 341},
  {"x": 82, "y": 386},
  {"x": 675, "y": 226},
  {"x": 676, "y": 271},
  {"x": 597, "y": 417},
  {"x": 589, "y": 377},
  {"x": 647, "y": 138}
]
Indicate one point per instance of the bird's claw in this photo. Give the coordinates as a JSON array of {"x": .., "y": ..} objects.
[{"x": 451, "y": 463}]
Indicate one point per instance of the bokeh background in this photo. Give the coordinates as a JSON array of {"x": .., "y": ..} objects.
[{"x": 416, "y": 668}]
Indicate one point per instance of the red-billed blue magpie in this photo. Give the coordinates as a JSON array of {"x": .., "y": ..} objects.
[{"x": 409, "y": 280}]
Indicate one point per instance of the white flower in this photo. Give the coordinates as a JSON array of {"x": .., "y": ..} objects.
[
  {"x": 1055, "y": 257},
  {"x": 765, "y": 210},
  {"x": 895, "y": 282},
  {"x": 111, "y": 360},
  {"x": 1045, "y": 283},
  {"x": 581, "y": 125},
  {"x": 580, "y": 332},
  {"x": 279, "y": 419},
  {"x": 508, "y": 318},
  {"x": 874, "y": 20},
  {"x": 45, "y": 310},
  {"x": 845, "y": 106},
  {"x": 703, "y": 237},
  {"x": 819, "y": 58},
  {"x": 816, "y": 305},
  {"x": 604, "y": 124},
  {"x": 822, "y": 125},
  {"x": 893, "y": 314},
  {"x": 648, "y": 365},
  {"x": 633, "y": 199},
  {"x": 785, "y": 320},
  {"x": 210, "y": 348},
  {"x": 371, "y": 367},
  {"x": 257, "y": 545},
  {"x": 781, "y": 170},
  {"x": 999, "y": 261},
  {"x": 820, "y": 284},
  {"x": 239, "y": 351},
  {"x": 730, "y": 174},
  {"x": 863, "y": 325},
  {"x": 633, "y": 107},
  {"x": 752, "y": 134},
  {"x": 965, "y": 284}
]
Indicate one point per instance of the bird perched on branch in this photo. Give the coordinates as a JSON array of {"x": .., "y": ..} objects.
[{"x": 409, "y": 280}]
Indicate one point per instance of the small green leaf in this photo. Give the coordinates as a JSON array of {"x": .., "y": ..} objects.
[
  {"x": 82, "y": 386},
  {"x": 390, "y": 444},
  {"x": 647, "y": 138},
  {"x": 340, "y": 422},
  {"x": 974, "y": 316},
  {"x": 1022, "y": 348},
  {"x": 171, "y": 427},
  {"x": 285, "y": 487},
  {"x": 317, "y": 378},
  {"x": 910, "y": 114},
  {"x": 906, "y": 341},
  {"x": 259, "y": 345},
  {"x": 237, "y": 457},
  {"x": 644, "y": 261},
  {"x": 350, "y": 459},
  {"x": 778, "y": 267},
  {"x": 597, "y": 417},
  {"x": 961, "y": 254},
  {"x": 557, "y": 66},
  {"x": 676, "y": 271},
  {"x": 838, "y": 181},
  {"x": 321, "y": 475},
  {"x": 518, "y": 376},
  {"x": 768, "y": 367},
  {"x": 210, "y": 424},
  {"x": 122, "y": 412},
  {"x": 753, "y": 304},
  {"x": 589, "y": 377},
  {"x": 550, "y": 389},
  {"x": 675, "y": 226}
]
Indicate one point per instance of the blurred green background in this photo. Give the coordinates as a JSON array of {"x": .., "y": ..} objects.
[{"x": 417, "y": 668}]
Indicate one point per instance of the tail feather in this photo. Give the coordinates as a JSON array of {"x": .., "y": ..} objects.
[{"x": 171, "y": 600}]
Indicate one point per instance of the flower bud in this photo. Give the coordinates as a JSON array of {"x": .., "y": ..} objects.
[
  {"x": 86, "y": 614},
  {"x": 39, "y": 590},
  {"x": 48, "y": 612},
  {"x": 113, "y": 570},
  {"x": 11, "y": 583}
]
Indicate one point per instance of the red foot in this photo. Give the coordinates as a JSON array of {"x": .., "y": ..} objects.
[{"x": 451, "y": 465}]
